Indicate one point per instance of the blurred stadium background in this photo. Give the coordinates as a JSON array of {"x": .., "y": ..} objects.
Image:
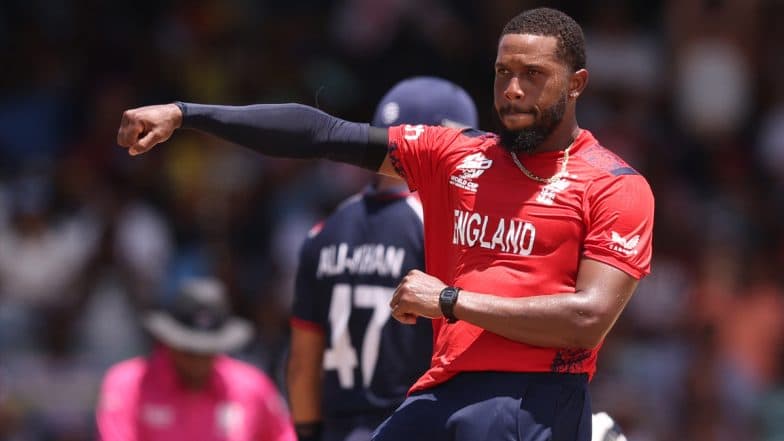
[{"x": 690, "y": 92}]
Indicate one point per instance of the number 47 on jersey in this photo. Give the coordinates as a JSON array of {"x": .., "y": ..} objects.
[{"x": 342, "y": 356}]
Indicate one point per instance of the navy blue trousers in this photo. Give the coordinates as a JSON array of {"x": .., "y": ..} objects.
[
  {"x": 357, "y": 428},
  {"x": 495, "y": 406}
]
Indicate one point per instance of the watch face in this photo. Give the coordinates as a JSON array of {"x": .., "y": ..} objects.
[
  {"x": 447, "y": 301},
  {"x": 449, "y": 294}
]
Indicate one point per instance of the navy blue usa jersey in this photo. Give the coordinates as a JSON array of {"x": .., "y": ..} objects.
[{"x": 349, "y": 268}]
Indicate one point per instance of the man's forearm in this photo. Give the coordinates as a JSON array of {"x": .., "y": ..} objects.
[
  {"x": 305, "y": 403},
  {"x": 304, "y": 389},
  {"x": 304, "y": 382},
  {"x": 579, "y": 319},
  {"x": 290, "y": 131},
  {"x": 560, "y": 320}
]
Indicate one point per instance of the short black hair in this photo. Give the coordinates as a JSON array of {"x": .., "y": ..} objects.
[{"x": 553, "y": 23}]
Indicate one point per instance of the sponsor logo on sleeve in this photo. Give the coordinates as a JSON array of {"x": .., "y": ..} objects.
[{"x": 627, "y": 247}]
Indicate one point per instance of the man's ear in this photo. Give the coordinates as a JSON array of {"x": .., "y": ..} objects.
[{"x": 577, "y": 83}]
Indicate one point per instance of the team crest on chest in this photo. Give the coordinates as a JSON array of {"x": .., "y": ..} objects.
[
  {"x": 157, "y": 415},
  {"x": 471, "y": 168},
  {"x": 548, "y": 192}
]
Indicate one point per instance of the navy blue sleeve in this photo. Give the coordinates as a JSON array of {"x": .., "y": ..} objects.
[{"x": 290, "y": 131}]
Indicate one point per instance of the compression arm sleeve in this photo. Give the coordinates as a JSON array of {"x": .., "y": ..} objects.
[{"x": 290, "y": 131}]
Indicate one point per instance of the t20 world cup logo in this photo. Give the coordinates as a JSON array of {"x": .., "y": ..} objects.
[{"x": 474, "y": 165}]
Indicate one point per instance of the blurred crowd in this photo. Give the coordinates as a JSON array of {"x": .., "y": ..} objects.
[{"x": 688, "y": 92}]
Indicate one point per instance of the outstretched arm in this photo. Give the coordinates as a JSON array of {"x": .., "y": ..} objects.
[
  {"x": 279, "y": 130},
  {"x": 568, "y": 320}
]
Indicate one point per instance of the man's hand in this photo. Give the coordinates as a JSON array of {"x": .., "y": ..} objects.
[
  {"x": 417, "y": 295},
  {"x": 144, "y": 127}
]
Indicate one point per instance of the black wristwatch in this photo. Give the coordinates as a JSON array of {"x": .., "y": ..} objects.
[{"x": 446, "y": 301}]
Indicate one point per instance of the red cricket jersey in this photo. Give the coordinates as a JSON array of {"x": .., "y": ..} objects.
[{"x": 491, "y": 229}]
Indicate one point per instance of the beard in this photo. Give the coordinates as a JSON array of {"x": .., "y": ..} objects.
[{"x": 527, "y": 140}]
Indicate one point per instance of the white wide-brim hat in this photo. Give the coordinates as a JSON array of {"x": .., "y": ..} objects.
[{"x": 199, "y": 320}]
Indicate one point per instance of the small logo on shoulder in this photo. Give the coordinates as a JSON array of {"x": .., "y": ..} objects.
[
  {"x": 627, "y": 247},
  {"x": 412, "y": 133},
  {"x": 471, "y": 168}
]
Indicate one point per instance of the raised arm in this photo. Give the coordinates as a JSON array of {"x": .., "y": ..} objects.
[{"x": 279, "y": 130}]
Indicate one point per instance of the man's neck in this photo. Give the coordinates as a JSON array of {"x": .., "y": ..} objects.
[
  {"x": 561, "y": 138},
  {"x": 193, "y": 383}
]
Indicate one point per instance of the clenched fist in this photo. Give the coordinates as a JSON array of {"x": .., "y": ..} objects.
[
  {"x": 144, "y": 127},
  {"x": 415, "y": 296}
]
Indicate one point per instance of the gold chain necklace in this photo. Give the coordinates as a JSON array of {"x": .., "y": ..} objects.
[{"x": 554, "y": 178}]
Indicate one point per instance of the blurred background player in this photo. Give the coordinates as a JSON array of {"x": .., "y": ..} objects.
[
  {"x": 187, "y": 389},
  {"x": 349, "y": 267}
]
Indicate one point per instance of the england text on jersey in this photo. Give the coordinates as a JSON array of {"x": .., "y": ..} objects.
[{"x": 506, "y": 235}]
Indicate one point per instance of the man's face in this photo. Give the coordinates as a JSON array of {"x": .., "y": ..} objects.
[
  {"x": 193, "y": 369},
  {"x": 530, "y": 90}
]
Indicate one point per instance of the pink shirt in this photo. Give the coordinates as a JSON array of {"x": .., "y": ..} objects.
[{"x": 142, "y": 400}]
